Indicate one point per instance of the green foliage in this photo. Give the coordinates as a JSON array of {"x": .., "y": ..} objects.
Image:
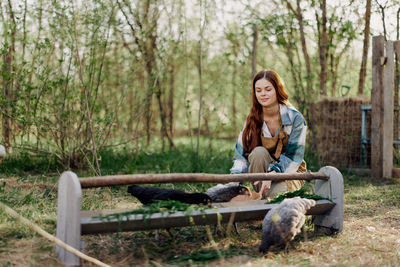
[
  {"x": 298, "y": 193},
  {"x": 163, "y": 207},
  {"x": 55, "y": 89}
]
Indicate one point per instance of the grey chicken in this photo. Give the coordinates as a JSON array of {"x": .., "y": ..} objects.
[
  {"x": 284, "y": 222},
  {"x": 225, "y": 192}
]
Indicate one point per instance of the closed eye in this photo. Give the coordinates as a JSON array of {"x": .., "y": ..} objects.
[{"x": 258, "y": 89}]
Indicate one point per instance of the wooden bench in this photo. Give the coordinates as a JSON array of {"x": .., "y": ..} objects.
[{"x": 72, "y": 222}]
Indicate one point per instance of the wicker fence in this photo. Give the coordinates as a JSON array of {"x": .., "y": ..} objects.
[{"x": 336, "y": 130}]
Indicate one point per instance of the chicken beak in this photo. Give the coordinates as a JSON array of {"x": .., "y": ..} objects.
[{"x": 247, "y": 192}]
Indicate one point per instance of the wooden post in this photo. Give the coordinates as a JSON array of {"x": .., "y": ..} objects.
[
  {"x": 378, "y": 61},
  {"x": 396, "y": 47},
  {"x": 388, "y": 113},
  {"x": 332, "y": 189},
  {"x": 69, "y": 217}
]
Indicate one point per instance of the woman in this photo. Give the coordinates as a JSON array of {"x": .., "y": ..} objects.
[{"x": 273, "y": 138}]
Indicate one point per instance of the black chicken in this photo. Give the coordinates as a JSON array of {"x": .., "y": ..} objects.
[{"x": 148, "y": 195}]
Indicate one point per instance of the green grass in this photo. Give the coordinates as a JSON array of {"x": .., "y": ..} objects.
[
  {"x": 32, "y": 192},
  {"x": 215, "y": 156},
  {"x": 201, "y": 256},
  {"x": 27, "y": 163}
]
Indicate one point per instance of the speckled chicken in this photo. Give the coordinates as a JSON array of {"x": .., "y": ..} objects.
[
  {"x": 148, "y": 195},
  {"x": 284, "y": 222},
  {"x": 225, "y": 192}
]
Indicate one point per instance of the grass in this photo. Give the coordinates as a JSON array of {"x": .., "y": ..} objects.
[{"x": 370, "y": 237}]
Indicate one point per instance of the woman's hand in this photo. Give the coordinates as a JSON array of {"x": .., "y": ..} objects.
[{"x": 265, "y": 185}]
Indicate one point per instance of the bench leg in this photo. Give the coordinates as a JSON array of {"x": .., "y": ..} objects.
[
  {"x": 69, "y": 217},
  {"x": 332, "y": 189}
]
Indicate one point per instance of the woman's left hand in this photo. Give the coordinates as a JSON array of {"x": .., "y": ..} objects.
[{"x": 265, "y": 185}]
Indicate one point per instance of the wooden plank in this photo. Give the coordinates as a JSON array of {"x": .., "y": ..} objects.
[
  {"x": 332, "y": 189},
  {"x": 68, "y": 217},
  {"x": 256, "y": 211},
  {"x": 388, "y": 113},
  {"x": 377, "y": 106},
  {"x": 128, "y": 179}
]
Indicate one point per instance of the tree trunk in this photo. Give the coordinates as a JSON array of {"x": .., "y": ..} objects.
[
  {"x": 307, "y": 60},
  {"x": 200, "y": 71},
  {"x": 254, "y": 52},
  {"x": 35, "y": 53},
  {"x": 147, "y": 106},
  {"x": 171, "y": 100},
  {"x": 363, "y": 69},
  {"x": 234, "y": 110},
  {"x": 163, "y": 115},
  {"x": 323, "y": 49},
  {"x": 24, "y": 30},
  {"x": 144, "y": 22},
  {"x": 332, "y": 72},
  {"x": 131, "y": 98},
  {"x": 382, "y": 8},
  {"x": 8, "y": 81},
  {"x": 297, "y": 92},
  {"x": 309, "y": 92}
]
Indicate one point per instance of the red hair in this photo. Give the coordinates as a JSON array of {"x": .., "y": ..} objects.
[{"x": 252, "y": 131}]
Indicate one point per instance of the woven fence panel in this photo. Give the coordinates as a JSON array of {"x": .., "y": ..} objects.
[{"x": 335, "y": 125}]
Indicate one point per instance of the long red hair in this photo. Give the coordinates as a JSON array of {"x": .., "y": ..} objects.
[{"x": 252, "y": 131}]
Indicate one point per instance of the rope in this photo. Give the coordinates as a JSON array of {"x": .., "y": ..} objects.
[{"x": 50, "y": 237}]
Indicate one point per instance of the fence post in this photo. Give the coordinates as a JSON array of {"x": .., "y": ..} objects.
[
  {"x": 396, "y": 48},
  {"x": 378, "y": 61},
  {"x": 334, "y": 190},
  {"x": 388, "y": 112}
]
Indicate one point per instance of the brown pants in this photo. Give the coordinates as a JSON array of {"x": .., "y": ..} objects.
[{"x": 259, "y": 160}]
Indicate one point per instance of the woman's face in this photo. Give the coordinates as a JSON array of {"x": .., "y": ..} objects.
[{"x": 265, "y": 93}]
